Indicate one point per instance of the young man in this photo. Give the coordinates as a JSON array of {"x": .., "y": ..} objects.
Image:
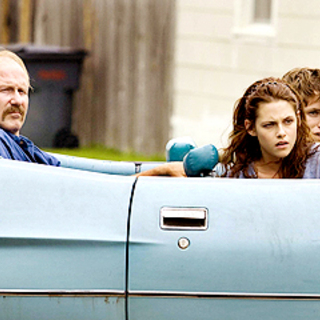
[
  {"x": 14, "y": 103},
  {"x": 306, "y": 82}
]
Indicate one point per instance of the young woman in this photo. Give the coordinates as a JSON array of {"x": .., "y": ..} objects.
[
  {"x": 306, "y": 82},
  {"x": 270, "y": 137}
]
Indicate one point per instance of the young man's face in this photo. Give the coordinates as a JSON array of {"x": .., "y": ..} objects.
[{"x": 313, "y": 118}]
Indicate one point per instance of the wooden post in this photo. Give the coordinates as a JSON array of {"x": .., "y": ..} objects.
[
  {"x": 4, "y": 14},
  {"x": 25, "y": 20}
]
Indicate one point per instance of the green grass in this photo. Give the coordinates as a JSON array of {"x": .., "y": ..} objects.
[{"x": 103, "y": 153}]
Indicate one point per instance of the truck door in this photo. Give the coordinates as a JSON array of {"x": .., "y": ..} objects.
[
  {"x": 63, "y": 240},
  {"x": 202, "y": 248}
]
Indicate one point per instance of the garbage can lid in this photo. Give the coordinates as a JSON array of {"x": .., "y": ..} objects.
[{"x": 36, "y": 52}]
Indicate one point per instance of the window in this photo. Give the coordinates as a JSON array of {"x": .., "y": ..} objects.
[
  {"x": 262, "y": 11},
  {"x": 255, "y": 18}
]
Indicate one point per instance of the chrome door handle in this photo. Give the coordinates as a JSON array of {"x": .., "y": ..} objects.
[{"x": 184, "y": 218}]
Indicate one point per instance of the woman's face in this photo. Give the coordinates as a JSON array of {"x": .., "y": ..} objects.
[
  {"x": 313, "y": 118},
  {"x": 276, "y": 129}
]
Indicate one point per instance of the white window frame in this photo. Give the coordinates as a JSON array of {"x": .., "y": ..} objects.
[{"x": 244, "y": 27}]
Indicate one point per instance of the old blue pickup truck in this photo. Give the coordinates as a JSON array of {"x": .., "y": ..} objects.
[{"x": 89, "y": 241}]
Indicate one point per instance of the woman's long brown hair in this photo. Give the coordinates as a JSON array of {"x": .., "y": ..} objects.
[{"x": 244, "y": 149}]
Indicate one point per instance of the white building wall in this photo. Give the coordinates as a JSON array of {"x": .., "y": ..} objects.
[{"x": 215, "y": 62}]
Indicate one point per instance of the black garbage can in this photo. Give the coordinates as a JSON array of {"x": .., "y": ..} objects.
[{"x": 54, "y": 76}]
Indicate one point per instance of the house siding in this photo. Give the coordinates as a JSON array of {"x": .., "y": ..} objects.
[{"x": 214, "y": 64}]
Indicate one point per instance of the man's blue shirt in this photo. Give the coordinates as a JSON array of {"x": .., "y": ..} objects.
[{"x": 22, "y": 149}]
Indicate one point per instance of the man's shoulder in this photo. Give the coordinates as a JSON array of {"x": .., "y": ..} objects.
[
  {"x": 45, "y": 158},
  {"x": 7, "y": 145},
  {"x": 4, "y": 134},
  {"x": 6, "y": 138}
]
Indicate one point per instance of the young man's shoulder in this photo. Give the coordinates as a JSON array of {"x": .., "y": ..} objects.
[{"x": 312, "y": 170}]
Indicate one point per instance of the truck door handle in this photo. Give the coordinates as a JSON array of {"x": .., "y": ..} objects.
[{"x": 184, "y": 218}]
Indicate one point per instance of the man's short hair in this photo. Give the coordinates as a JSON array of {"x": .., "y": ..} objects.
[
  {"x": 306, "y": 81},
  {"x": 11, "y": 55}
]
